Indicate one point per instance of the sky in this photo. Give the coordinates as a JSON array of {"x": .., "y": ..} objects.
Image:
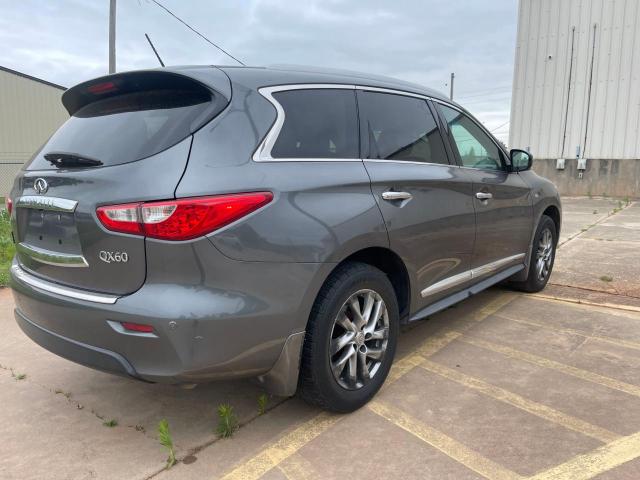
[{"x": 66, "y": 41}]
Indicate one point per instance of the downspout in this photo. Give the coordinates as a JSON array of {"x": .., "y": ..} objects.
[
  {"x": 593, "y": 55},
  {"x": 566, "y": 113}
]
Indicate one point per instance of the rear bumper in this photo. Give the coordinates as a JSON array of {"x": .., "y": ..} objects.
[
  {"x": 78, "y": 352},
  {"x": 201, "y": 332}
]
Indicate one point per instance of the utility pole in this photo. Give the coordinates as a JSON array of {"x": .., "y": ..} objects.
[
  {"x": 453, "y": 76},
  {"x": 112, "y": 36}
]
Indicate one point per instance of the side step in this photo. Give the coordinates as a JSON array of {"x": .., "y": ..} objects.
[{"x": 466, "y": 293}]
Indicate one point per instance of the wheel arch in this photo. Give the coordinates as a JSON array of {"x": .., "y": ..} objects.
[{"x": 390, "y": 264}]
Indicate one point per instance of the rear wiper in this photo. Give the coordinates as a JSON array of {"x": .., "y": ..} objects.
[{"x": 70, "y": 160}]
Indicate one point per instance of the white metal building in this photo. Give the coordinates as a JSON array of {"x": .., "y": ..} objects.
[
  {"x": 576, "y": 93},
  {"x": 30, "y": 111}
]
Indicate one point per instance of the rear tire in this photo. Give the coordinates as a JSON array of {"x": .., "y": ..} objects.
[
  {"x": 346, "y": 357},
  {"x": 543, "y": 254}
]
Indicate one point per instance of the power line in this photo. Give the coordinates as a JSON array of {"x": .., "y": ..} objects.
[
  {"x": 477, "y": 93},
  {"x": 195, "y": 31},
  {"x": 498, "y": 128}
]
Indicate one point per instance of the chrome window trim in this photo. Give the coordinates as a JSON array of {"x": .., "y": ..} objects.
[
  {"x": 52, "y": 258},
  {"x": 468, "y": 275},
  {"x": 48, "y": 287},
  {"x": 479, "y": 125},
  {"x": 263, "y": 152},
  {"x": 410, "y": 162},
  {"x": 52, "y": 204}
]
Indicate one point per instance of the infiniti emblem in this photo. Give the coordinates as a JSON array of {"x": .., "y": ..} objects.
[{"x": 41, "y": 186}]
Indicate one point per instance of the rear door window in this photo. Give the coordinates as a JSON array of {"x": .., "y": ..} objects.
[
  {"x": 398, "y": 127},
  {"x": 318, "y": 123},
  {"x": 127, "y": 127}
]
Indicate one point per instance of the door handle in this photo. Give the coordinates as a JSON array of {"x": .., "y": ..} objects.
[
  {"x": 483, "y": 196},
  {"x": 391, "y": 195}
]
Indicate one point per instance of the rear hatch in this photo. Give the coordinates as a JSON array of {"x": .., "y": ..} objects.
[{"x": 127, "y": 140}]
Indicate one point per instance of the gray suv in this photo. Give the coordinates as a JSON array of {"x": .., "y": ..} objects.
[{"x": 190, "y": 224}]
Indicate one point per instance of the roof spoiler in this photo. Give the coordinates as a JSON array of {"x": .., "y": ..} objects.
[{"x": 197, "y": 78}]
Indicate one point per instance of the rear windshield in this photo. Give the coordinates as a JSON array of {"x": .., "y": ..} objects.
[{"x": 128, "y": 127}]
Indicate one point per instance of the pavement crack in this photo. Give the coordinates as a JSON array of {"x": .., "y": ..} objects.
[{"x": 198, "y": 448}]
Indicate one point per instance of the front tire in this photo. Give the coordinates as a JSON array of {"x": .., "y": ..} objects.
[
  {"x": 350, "y": 340},
  {"x": 543, "y": 255}
]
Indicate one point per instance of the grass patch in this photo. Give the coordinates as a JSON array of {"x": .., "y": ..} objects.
[
  {"x": 606, "y": 278},
  {"x": 111, "y": 423},
  {"x": 262, "y": 403},
  {"x": 164, "y": 435},
  {"x": 227, "y": 421},
  {"x": 7, "y": 248}
]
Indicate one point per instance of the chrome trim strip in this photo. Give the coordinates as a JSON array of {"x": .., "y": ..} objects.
[
  {"x": 52, "y": 258},
  {"x": 53, "y": 204},
  {"x": 447, "y": 283},
  {"x": 469, "y": 275},
  {"x": 409, "y": 162},
  {"x": 493, "y": 266},
  {"x": 48, "y": 287}
]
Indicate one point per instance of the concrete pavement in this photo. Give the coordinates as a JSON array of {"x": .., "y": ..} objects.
[{"x": 503, "y": 385}]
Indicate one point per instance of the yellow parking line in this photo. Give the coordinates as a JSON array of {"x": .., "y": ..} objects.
[
  {"x": 614, "y": 341},
  {"x": 447, "y": 445},
  {"x": 552, "y": 364},
  {"x": 495, "y": 305},
  {"x": 603, "y": 459},
  {"x": 288, "y": 445},
  {"x": 542, "y": 411},
  {"x": 577, "y": 302},
  {"x": 429, "y": 347},
  {"x": 283, "y": 448},
  {"x": 296, "y": 467}
]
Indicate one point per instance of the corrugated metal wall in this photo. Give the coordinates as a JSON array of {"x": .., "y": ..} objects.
[
  {"x": 30, "y": 111},
  {"x": 545, "y": 102}
]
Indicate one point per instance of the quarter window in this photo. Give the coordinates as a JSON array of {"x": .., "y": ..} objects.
[
  {"x": 318, "y": 123},
  {"x": 475, "y": 148},
  {"x": 398, "y": 127}
]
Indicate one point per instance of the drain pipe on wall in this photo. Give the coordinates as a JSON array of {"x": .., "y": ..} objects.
[
  {"x": 566, "y": 113},
  {"x": 582, "y": 162}
]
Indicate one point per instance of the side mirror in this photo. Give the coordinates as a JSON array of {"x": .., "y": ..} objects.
[{"x": 520, "y": 160}]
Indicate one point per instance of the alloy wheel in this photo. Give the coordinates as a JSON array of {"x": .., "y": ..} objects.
[
  {"x": 544, "y": 255},
  {"x": 359, "y": 339}
]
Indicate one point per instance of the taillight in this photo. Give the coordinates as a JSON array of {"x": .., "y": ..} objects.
[
  {"x": 9, "y": 205},
  {"x": 182, "y": 219}
]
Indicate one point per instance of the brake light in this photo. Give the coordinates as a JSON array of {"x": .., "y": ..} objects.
[
  {"x": 9, "y": 205},
  {"x": 182, "y": 219},
  {"x": 98, "y": 88}
]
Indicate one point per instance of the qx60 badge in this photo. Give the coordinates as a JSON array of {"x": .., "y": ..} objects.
[{"x": 113, "y": 257}]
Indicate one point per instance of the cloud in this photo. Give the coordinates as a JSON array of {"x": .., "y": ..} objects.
[{"x": 417, "y": 40}]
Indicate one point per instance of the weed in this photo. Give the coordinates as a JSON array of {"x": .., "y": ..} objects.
[
  {"x": 20, "y": 376},
  {"x": 110, "y": 423},
  {"x": 626, "y": 200},
  {"x": 606, "y": 278},
  {"x": 166, "y": 441},
  {"x": 227, "y": 421},
  {"x": 262, "y": 403},
  {"x": 7, "y": 247}
]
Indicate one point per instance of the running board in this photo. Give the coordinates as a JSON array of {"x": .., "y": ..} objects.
[{"x": 466, "y": 293}]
